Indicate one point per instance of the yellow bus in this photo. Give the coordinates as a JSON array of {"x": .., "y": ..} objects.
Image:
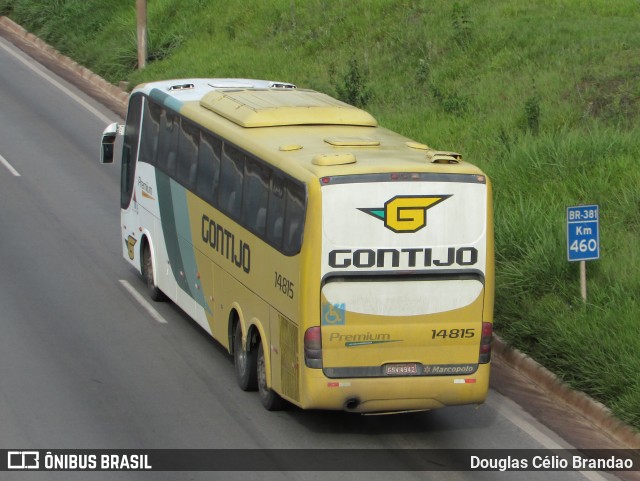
[{"x": 343, "y": 266}]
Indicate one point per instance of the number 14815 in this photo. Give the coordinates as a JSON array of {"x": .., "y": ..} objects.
[{"x": 453, "y": 333}]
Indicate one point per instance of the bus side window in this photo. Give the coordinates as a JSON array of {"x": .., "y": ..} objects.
[
  {"x": 168, "y": 143},
  {"x": 275, "y": 213},
  {"x": 150, "y": 130},
  {"x": 255, "y": 196},
  {"x": 294, "y": 218},
  {"x": 231, "y": 178},
  {"x": 188, "y": 154},
  {"x": 208, "y": 167}
]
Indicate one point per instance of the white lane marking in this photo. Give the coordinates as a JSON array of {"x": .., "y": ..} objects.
[
  {"x": 9, "y": 167},
  {"x": 505, "y": 407},
  {"x": 32, "y": 65},
  {"x": 143, "y": 302}
]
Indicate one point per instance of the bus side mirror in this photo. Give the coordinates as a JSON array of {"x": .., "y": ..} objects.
[{"x": 108, "y": 140}]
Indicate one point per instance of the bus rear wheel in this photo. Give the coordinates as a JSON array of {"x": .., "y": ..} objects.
[
  {"x": 147, "y": 272},
  {"x": 244, "y": 362},
  {"x": 268, "y": 397}
]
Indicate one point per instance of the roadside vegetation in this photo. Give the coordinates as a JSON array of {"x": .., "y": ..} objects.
[{"x": 544, "y": 96}]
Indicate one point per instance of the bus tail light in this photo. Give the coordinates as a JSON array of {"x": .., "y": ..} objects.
[
  {"x": 485, "y": 343},
  {"x": 313, "y": 347}
]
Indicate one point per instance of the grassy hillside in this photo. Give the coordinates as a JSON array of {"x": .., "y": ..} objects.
[{"x": 544, "y": 96}]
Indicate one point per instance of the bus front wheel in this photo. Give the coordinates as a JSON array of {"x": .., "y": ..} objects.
[
  {"x": 268, "y": 397},
  {"x": 147, "y": 271}
]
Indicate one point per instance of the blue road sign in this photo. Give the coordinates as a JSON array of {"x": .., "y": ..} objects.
[{"x": 583, "y": 233}]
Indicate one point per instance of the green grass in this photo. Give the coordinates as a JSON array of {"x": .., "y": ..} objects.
[{"x": 544, "y": 96}]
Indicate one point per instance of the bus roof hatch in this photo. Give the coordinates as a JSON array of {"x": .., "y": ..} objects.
[{"x": 278, "y": 107}]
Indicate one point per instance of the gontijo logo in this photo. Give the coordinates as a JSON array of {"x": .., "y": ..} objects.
[{"x": 405, "y": 213}]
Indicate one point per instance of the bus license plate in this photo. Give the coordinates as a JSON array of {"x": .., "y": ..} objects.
[{"x": 409, "y": 369}]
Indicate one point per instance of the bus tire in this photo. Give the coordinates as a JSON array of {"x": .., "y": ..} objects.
[
  {"x": 268, "y": 397},
  {"x": 147, "y": 272},
  {"x": 244, "y": 362}
]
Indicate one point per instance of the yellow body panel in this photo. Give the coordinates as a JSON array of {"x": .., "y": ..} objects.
[{"x": 393, "y": 394}]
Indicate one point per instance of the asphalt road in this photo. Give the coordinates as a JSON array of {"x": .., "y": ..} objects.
[{"x": 83, "y": 364}]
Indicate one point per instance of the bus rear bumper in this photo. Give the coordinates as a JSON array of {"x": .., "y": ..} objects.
[{"x": 394, "y": 394}]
